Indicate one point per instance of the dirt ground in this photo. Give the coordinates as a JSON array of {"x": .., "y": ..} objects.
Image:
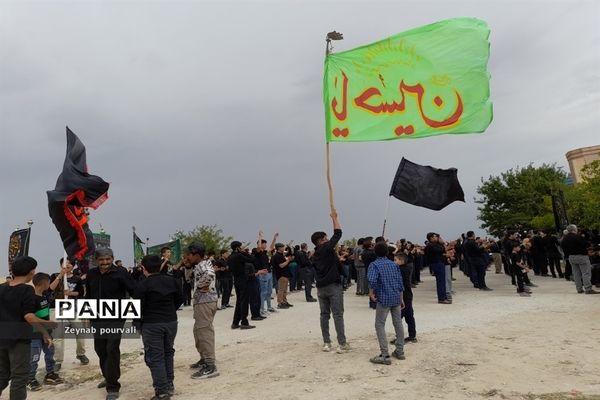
[{"x": 487, "y": 345}]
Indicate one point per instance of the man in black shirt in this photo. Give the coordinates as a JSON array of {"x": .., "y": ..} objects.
[
  {"x": 554, "y": 257},
  {"x": 160, "y": 297},
  {"x": 329, "y": 284},
  {"x": 434, "y": 251},
  {"x": 224, "y": 278},
  {"x": 306, "y": 270},
  {"x": 265, "y": 273},
  {"x": 280, "y": 264},
  {"x": 475, "y": 254},
  {"x": 576, "y": 250},
  {"x": 238, "y": 262},
  {"x": 17, "y": 315},
  {"x": 107, "y": 281}
]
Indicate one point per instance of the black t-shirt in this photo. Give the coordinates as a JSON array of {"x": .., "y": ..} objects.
[
  {"x": 276, "y": 260},
  {"x": 221, "y": 275},
  {"x": 15, "y": 302},
  {"x": 262, "y": 260}
]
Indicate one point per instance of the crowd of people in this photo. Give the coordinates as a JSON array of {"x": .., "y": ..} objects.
[{"x": 204, "y": 279}]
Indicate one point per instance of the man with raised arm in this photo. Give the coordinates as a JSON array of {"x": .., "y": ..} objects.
[{"x": 329, "y": 284}]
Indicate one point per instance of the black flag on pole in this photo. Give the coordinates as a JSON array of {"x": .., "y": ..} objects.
[
  {"x": 18, "y": 244},
  {"x": 75, "y": 191},
  {"x": 425, "y": 186}
]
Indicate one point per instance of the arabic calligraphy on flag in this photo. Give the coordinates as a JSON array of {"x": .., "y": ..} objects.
[{"x": 428, "y": 81}]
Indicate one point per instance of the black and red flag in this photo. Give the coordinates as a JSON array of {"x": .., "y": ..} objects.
[{"x": 75, "y": 191}]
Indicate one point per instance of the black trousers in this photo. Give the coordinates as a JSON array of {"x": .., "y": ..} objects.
[
  {"x": 408, "y": 313},
  {"x": 554, "y": 263},
  {"x": 254, "y": 297},
  {"x": 158, "y": 339},
  {"x": 568, "y": 269},
  {"x": 187, "y": 293},
  {"x": 15, "y": 362},
  {"x": 306, "y": 276},
  {"x": 226, "y": 286},
  {"x": 240, "y": 314},
  {"x": 109, "y": 354}
]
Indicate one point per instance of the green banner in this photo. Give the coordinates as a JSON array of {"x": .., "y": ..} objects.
[
  {"x": 138, "y": 250},
  {"x": 175, "y": 247},
  {"x": 428, "y": 81}
]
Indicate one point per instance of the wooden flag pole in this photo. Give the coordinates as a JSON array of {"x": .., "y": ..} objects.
[
  {"x": 387, "y": 209},
  {"x": 329, "y": 184},
  {"x": 330, "y": 36}
]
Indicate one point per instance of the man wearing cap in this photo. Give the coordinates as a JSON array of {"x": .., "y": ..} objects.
[
  {"x": 205, "y": 308},
  {"x": 107, "y": 281},
  {"x": 280, "y": 264},
  {"x": 237, "y": 263}
]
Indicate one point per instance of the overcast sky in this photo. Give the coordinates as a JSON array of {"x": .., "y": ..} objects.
[{"x": 211, "y": 113}]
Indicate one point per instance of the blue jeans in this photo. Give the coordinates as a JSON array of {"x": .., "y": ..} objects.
[
  {"x": 439, "y": 269},
  {"x": 37, "y": 346},
  {"x": 266, "y": 289},
  {"x": 294, "y": 278}
]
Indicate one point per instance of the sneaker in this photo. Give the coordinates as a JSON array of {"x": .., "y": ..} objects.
[
  {"x": 198, "y": 365},
  {"x": 410, "y": 340},
  {"x": 258, "y": 318},
  {"x": 247, "y": 327},
  {"x": 34, "y": 385},
  {"x": 209, "y": 372},
  {"x": 101, "y": 385},
  {"x": 312, "y": 300},
  {"x": 53, "y": 379},
  {"x": 399, "y": 355},
  {"x": 264, "y": 315},
  {"x": 272, "y": 310},
  {"x": 289, "y": 305},
  {"x": 580, "y": 291},
  {"x": 445, "y": 301},
  {"x": 591, "y": 291},
  {"x": 343, "y": 348},
  {"x": 282, "y": 306},
  {"x": 380, "y": 359},
  {"x": 83, "y": 360},
  {"x": 112, "y": 395},
  {"x": 525, "y": 294},
  {"x": 326, "y": 347},
  {"x": 486, "y": 289}
]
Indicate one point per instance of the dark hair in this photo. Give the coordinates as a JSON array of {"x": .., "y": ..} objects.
[
  {"x": 62, "y": 259},
  {"x": 303, "y": 246},
  {"x": 163, "y": 249},
  {"x": 119, "y": 261},
  {"x": 235, "y": 245},
  {"x": 39, "y": 278},
  {"x": 360, "y": 241},
  {"x": 263, "y": 241},
  {"x": 316, "y": 237},
  {"x": 470, "y": 234},
  {"x": 430, "y": 235},
  {"x": 151, "y": 263},
  {"x": 379, "y": 239},
  {"x": 381, "y": 249},
  {"x": 197, "y": 248},
  {"x": 21, "y": 266}
]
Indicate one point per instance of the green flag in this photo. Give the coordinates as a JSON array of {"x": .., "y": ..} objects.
[
  {"x": 138, "y": 250},
  {"x": 427, "y": 81},
  {"x": 175, "y": 247}
]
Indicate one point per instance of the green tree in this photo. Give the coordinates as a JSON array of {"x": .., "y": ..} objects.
[
  {"x": 583, "y": 199},
  {"x": 350, "y": 243},
  {"x": 211, "y": 236},
  {"x": 519, "y": 197}
]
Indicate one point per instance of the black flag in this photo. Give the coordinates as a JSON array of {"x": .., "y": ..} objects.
[
  {"x": 75, "y": 191},
  {"x": 18, "y": 244},
  {"x": 425, "y": 186}
]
